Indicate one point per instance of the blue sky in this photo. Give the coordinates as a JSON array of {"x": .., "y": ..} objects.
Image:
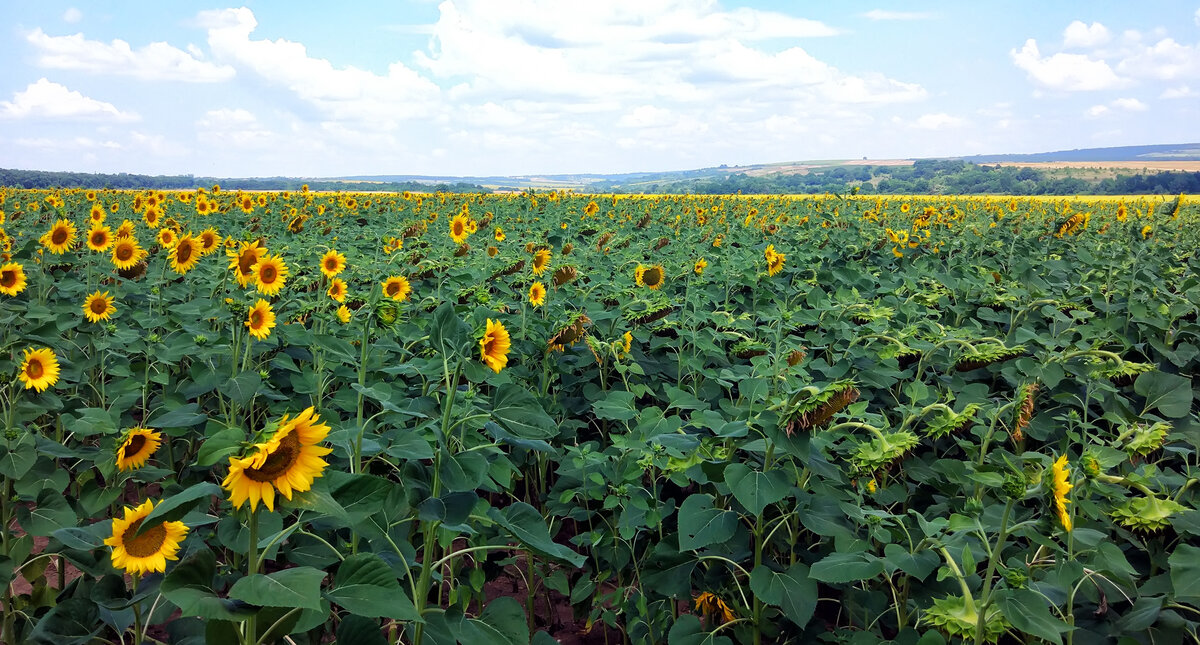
[{"x": 482, "y": 87}]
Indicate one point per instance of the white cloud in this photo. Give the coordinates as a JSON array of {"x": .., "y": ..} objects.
[
  {"x": 883, "y": 14},
  {"x": 1096, "y": 111},
  {"x": 1067, "y": 72},
  {"x": 938, "y": 121},
  {"x": 236, "y": 127},
  {"x": 72, "y": 15},
  {"x": 154, "y": 62},
  {"x": 1181, "y": 92},
  {"x": 74, "y": 143},
  {"x": 48, "y": 100},
  {"x": 1166, "y": 60},
  {"x": 342, "y": 94},
  {"x": 1130, "y": 105},
  {"x": 1078, "y": 34}
]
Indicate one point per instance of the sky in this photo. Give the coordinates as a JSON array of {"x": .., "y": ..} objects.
[{"x": 521, "y": 87}]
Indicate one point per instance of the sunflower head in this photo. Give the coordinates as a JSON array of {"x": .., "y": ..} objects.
[
  {"x": 343, "y": 314},
  {"x": 39, "y": 369},
  {"x": 126, "y": 253},
  {"x": 270, "y": 274},
  {"x": 136, "y": 448},
  {"x": 1061, "y": 485},
  {"x": 244, "y": 260},
  {"x": 99, "y": 238},
  {"x": 60, "y": 238},
  {"x": 537, "y": 294},
  {"x": 289, "y": 461},
  {"x": 494, "y": 346},
  {"x": 12, "y": 279},
  {"x": 337, "y": 289},
  {"x": 541, "y": 260},
  {"x": 460, "y": 228},
  {"x": 332, "y": 263},
  {"x": 209, "y": 241},
  {"x": 98, "y": 306},
  {"x": 185, "y": 254},
  {"x": 260, "y": 319},
  {"x": 149, "y": 551},
  {"x": 397, "y": 288}
]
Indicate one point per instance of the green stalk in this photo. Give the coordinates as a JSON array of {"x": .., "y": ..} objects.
[
  {"x": 251, "y": 569},
  {"x": 985, "y": 598}
]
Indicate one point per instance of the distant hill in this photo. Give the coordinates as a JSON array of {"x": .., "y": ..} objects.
[{"x": 1165, "y": 152}]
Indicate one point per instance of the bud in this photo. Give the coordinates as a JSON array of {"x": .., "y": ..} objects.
[
  {"x": 1015, "y": 485},
  {"x": 1015, "y": 578}
]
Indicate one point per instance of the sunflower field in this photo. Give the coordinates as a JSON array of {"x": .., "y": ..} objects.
[{"x": 548, "y": 417}]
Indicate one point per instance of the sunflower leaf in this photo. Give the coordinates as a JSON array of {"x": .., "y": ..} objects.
[
  {"x": 176, "y": 506},
  {"x": 298, "y": 587}
]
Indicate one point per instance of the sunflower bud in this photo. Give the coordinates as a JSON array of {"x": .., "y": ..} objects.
[
  {"x": 1015, "y": 485},
  {"x": 1015, "y": 578}
]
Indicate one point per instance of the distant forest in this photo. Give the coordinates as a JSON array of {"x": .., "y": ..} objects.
[
  {"x": 49, "y": 179},
  {"x": 937, "y": 177}
]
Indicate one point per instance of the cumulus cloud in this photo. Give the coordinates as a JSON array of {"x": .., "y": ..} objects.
[
  {"x": 938, "y": 121},
  {"x": 1079, "y": 34},
  {"x": 1067, "y": 72},
  {"x": 1181, "y": 92},
  {"x": 153, "y": 62},
  {"x": 1126, "y": 104},
  {"x": 1165, "y": 60},
  {"x": 1130, "y": 105},
  {"x": 1096, "y": 111},
  {"x": 237, "y": 127},
  {"x": 883, "y": 14},
  {"x": 48, "y": 100}
]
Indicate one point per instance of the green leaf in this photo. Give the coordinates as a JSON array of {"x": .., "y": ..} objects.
[
  {"x": 463, "y": 472},
  {"x": 1184, "y": 565},
  {"x": 756, "y": 490},
  {"x": 188, "y": 585},
  {"x": 1029, "y": 612},
  {"x": 839, "y": 568},
  {"x": 220, "y": 446},
  {"x": 793, "y": 591},
  {"x": 1141, "y": 615},
  {"x": 501, "y": 623},
  {"x": 77, "y": 538},
  {"x": 448, "y": 333},
  {"x": 518, "y": 412},
  {"x": 92, "y": 421},
  {"x": 16, "y": 460},
  {"x": 529, "y": 527},
  {"x": 1170, "y": 394},
  {"x": 72, "y": 621},
  {"x": 688, "y": 631},
  {"x": 701, "y": 525},
  {"x": 357, "y": 630},
  {"x": 365, "y": 585},
  {"x": 616, "y": 406},
  {"x": 49, "y": 514},
  {"x": 298, "y": 587},
  {"x": 241, "y": 388},
  {"x": 184, "y": 416},
  {"x": 677, "y": 398},
  {"x": 176, "y": 506}
]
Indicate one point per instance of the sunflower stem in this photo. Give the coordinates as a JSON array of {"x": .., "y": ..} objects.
[
  {"x": 251, "y": 569},
  {"x": 985, "y": 596}
]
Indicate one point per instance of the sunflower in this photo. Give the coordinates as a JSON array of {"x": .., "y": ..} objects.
[
  {"x": 39, "y": 370},
  {"x": 541, "y": 260},
  {"x": 649, "y": 276},
  {"x": 166, "y": 238},
  {"x": 270, "y": 274},
  {"x": 774, "y": 260},
  {"x": 60, "y": 237},
  {"x": 537, "y": 294},
  {"x": 114, "y": 207},
  {"x": 714, "y": 608},
  {"x": 126, "y": 229},
  {"x": 337, "y": 289},
  {"x": 459, "y": 228},
  {"x": 289, "y": 461},
  {"x": 209, "y": 241},
  {"x": 627, "y": 342},
  {"x": 244, "y": 260},
  {"x": 136, "y": 447},
  {"x": 701, "y": 265},
  {"x": 246, "y": 203},
  {"x": 151, "y": 216},
  {"x": 397, "y": 288},
  {"x": 98, "y": 306},
  {"x": 97, "y": 214},
  {"x": 332, "y": 263},
  {"x": 1061, "y": 486},
  {"x": 260, "y": 319},
  {"x": 12, "y": 279},
  {"x": 343, "y": 314},
  {"x": 148, "y": 552},
  {"x": 99, "y": 238},
  {"x": 499, "y": 234},
  {"x": 494, "y": 346},
  {"x": 126, "y": 253}
]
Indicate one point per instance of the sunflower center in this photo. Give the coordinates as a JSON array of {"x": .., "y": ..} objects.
[
  {"x": 59, "y": 237},
  {"x": 267, "y": 274},
  {"x": 35, "y": 370},
  {"x": 146, "y": 544},
  {"x": 652, "y": 276},
  {"x": 458, "y": 228},
  {"x": 393, "y": 288},
  {"x": 99, "y": 238},
  {"x": 98, "y": 305},
  {"x": 278, "y": 462},
  {"x": 183, "y": 253},
  {"x": 124, "y": 252},
  {"x": 134, "y": 446},
  {"x": 331, "y": 264},
  {"x": 8, "y": 278},
  {"x": 256, "y": 319}
]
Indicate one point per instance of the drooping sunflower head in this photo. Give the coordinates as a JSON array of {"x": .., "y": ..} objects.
[
  {"x": 541, "y": 260},
  {"x": 288, "y": 462},
  {"x": 260, "y": 319},
  {"x": 12, "y": 279},
  {"x": 39, "y": 370},
  {"x": 332, "y": 263},
  {"x": 126, "y": 253},
  {"x": 99, "y": 238},
  {"x": 337, "y": 290},
  {"x": 136, "y": 448},
  {"x": 98, "y": 306},
  {"x": 1061, "y": 485},
  {"x": 270, "y": 274},
  {"x": 713, "y": 608},
  {"x": 60, "y": 238},
  {"x": 185, "y": 254},
  {"x": 651, "y": 276},
  {"x": 494, "y": 346},
  {"x": 149, "y": 551},
  {"x": 537, "y": 294},
  {"x": 397, "y": 288},
  {"x": 343, "y": 314}
]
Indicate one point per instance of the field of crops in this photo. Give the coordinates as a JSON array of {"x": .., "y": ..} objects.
[{"x": 382, "y": 418}]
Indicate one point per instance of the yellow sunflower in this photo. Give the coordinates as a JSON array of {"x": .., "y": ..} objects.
[
  {"x": 99, "y": 238},
  {"x": 397, "y": 288},
  {"x": 537, "y": 294},
  {"x": 541, "y": 260},
  {"x": 126, "y": 253},
  {"x": 148, "y": 552},
  {"x": 39, "y": 370},
  {"x": 459, "y": 228},
  {"x": 332, "y": 263},
  {"x": 12, "y": 279},
  {"x": 649, "y": 276},
  {"x": 98, "y": 306},
  {"x": 343, "y": 314},
  {"x": 126, "y": 229},
  {"x": 260, "y": 319},
  {"x": 166, "y": 238},
  {"x": 209, "y": 241},
  {"x": 494, "y": 346},
  {"x": 60, "y": 237},
  {"x": 97, "y": 214},
  {"x": 244, "y": 260},
  {"x": 774, "y": 260},
  {"x": 152, "y": 216},
  {"x": 701, "y": 265},
  {"x": 289, "y": 461},
  {"x": 137, "y": 446},
  {"x": 1061, "y": 486},
  {"x": 499, "y": 234},
  {"x": 270, "y": 274},
  {"x": 337, "y": 289},
  {"x": 185, "y": 255},
  {"x": 715, "y": 609}
]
